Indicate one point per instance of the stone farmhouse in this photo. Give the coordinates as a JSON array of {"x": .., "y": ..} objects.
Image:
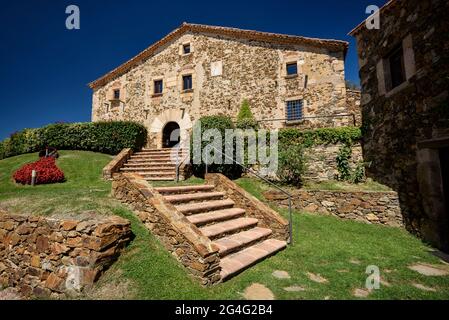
[
  {"x": 199, "y": 70},
  {"x": 405, "y": 92}
]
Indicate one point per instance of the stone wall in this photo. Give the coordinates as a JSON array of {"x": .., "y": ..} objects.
[
  {"x": 44, "y": 257},
  {"x": 182, "y": 238},
  {"x": 353, "y": 102},
  {"x": 370, "y": 207},
  {"x": 268, "y": 218},
  {"x": 396, "y": 122},
  {"x": 322, "y": 161},
  {"x": 250, "y": 69}
]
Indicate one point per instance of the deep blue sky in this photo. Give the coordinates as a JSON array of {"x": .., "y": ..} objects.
[{"x": 45, "y": 68}]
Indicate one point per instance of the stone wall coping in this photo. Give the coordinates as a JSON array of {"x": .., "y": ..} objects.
[
  {"x": 115, "y": 164},
  {"x": 193, "y": 235}
]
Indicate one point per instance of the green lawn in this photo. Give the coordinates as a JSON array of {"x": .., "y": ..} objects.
[{"x": 337, "y": 250}]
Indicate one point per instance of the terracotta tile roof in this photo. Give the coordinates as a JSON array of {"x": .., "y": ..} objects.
[
  {"x": 389, "y": 5},
  {"x": 336, "y": 45}
]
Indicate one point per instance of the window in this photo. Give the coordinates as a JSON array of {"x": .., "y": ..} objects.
[
  {"x": 117, "y": 94},
  {"x": 397, "y": 69},
  {"x": 187, "y": 82},
  {"x": 186, "y": 48},
  {"x": 294, "y": 110},
  {"x": 292, "y": 69},
  {"x": 158, "y": 87}
]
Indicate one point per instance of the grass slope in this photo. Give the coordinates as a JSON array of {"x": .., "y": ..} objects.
[{"x": 322, "y": 245}]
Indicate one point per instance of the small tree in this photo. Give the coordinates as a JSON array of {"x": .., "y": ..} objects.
[{"x": 245, "y": 118}]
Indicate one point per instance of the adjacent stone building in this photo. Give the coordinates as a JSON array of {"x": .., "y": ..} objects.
[
  {"x": 199, "y": 70},
  {"x": 404, "y": 74}
]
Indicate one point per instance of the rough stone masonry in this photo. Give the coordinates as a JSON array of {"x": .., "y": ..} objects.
[
  {"x": 44, "y": 257},
  {"x": 226, "y": 65}
]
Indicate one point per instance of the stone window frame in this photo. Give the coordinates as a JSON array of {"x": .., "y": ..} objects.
[
  {"x": 383, "y": 68},
  {"x": 181, "y": 48},
  {"x": 181, "y": 81},
  {"x": 153, "y": 87},
  {"x": 303, "y": 108},
  {"x": 288, "y": 62},
  {"x": 113, "y": 102}
]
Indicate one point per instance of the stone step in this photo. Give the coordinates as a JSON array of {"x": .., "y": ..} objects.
[
  {"x": 227, "y": 227},
  {"x": 192, "y": 208},
  {"x": 154, "y": 157},
  {"x": 148, "y": 164},
  {"x": 152, "y": 160},
  {"x": 215, "y": 216},
  {"x": 185, "y": 189},
  {"x": 236, "y": 263},
  {"x": 241, "y": 239},
  {"x": 148, "y": 169},
  {"x": 155, "y": 174},
  {"x": 162, "y": 150},
  {"x": 164, "y": 178},
  {"x": 199, "y": 196}
]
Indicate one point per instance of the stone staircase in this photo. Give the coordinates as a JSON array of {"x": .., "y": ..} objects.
[
  {"x": 155, "y": 164},
  {"x": 240, "y": 241}
]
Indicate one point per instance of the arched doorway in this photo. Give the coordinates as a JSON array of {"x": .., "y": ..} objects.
[{"x": 170, "y": 135}]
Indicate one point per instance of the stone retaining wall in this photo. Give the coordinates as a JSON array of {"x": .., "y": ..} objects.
[
  {"x": 322, "y": 161},
  {"x": 44, "y": 257},
  {"x": 370, "y": 207},
  {"x": 182, "y": 238},
  {"x": 268, "y": 218}
]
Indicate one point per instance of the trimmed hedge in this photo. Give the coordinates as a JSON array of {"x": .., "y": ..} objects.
[
  {"x": 313, "y": 137},
  {"x": 105, "y": 137}
]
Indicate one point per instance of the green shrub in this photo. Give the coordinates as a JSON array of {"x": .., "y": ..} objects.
[
  {"x": 345, "y": 172},
  {"x": 292, "y": 165},
  {"x": 343, "y": 164},
  {"x": 106, "y": 137},
  {"x": 312, "y": 137},
  {"x": 245, "y": 118},
  {"x": 221, "y": 123},
  {"x": 245, "y": 111}
]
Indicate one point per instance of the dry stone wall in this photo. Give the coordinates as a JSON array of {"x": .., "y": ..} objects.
[
  {"x": 322, "y": 161},
  {"x": 369, "y": 207},
  {"x": 50, "y": 258}
]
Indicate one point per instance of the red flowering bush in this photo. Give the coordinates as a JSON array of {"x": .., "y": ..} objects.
[{"x": 46, "y": 172}]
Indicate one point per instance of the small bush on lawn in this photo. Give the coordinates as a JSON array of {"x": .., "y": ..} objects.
[
  {"x": 107, "y": 137},
  {"x": 47, "y": 172},
  {"x": 292, "y": 165},
  {"x": 221, "y": 123}
]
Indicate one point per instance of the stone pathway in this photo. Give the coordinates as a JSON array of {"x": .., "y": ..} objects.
[
  {"x": 361, "y": 293},
  {"x": 354, "y": 261},
  {"x": 280, "y": 274},
  {"x": 294, "y": 289},
  {"x": 430, "y": 269},
  {"x": 423, "y": 287},
  {"x": 316, "y": 278},
  {"x": 257, "y": 291}
]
